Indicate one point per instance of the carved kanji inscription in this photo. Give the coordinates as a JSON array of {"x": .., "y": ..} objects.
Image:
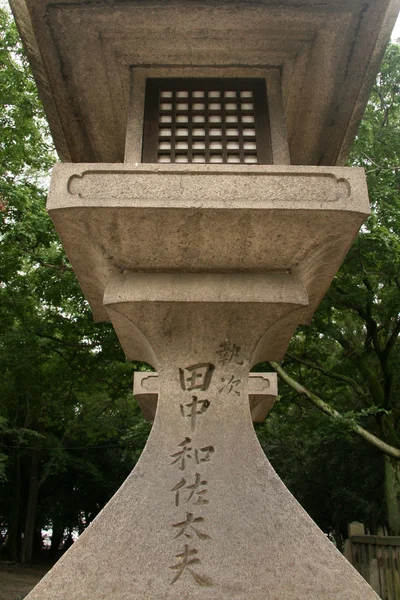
[
  {"x": 187, "y": 559},
  {"x": 196, "y": 377},
  {"x": 227, "y": 352},
  {"x": 194, "y": 408},
  {"x": 189, "y": 527},
  {"x": 188, "y": 452},
  {"x": 184, "y": 491},
  {"x": 230, "y": 385}
]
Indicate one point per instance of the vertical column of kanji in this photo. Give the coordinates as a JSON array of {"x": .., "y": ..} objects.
[
  {"x": 208, "y": 391},
  {"x": 191, "y": 489}
]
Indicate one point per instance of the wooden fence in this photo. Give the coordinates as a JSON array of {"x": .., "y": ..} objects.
[{"x": 377, "y": 559}]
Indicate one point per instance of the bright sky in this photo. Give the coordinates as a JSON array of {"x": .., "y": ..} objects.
[{"x": 396, "y": 30}]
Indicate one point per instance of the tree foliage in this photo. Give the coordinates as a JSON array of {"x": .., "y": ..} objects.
[
  {"x": 65, "y": 385},
  {"x": 350, "y": 354}
]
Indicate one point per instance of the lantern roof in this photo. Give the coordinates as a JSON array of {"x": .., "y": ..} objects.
[{"x": 83, "y": 52}]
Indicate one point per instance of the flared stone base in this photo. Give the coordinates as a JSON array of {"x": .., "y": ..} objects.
[
  {"x": 203, "y": 516},
  {"x": 248, "y": 540}
]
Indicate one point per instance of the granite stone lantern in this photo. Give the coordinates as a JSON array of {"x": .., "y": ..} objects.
[{"x": 203, "y": 204}]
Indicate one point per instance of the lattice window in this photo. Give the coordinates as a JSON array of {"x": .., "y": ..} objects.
[{"x": 206, "y": 121}]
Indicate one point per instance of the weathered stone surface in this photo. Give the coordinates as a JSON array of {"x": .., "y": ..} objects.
[
  {"x": 82, "y": 54},
  {"x": 298, "y": 220},
  {"x": 203, "y": 516},
  {"x": 263, "y": 390}
]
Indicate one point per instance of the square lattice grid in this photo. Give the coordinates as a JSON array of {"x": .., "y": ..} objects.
[{"x": 206, "y": 121}]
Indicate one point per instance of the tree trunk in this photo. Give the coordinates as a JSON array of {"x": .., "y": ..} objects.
[
  {"x": 15, "y": 508},
  {"x": 338, "y": 534},
  {"x": 392, "y": 494},
  {"x": 30, "y": 515},
  {"x": 37, "y": 546},
  {"x": 56, "y": 537},
  {"x": 373, "y": 524}
]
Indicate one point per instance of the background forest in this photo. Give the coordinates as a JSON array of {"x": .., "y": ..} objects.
[{"x": 70, "y": 430}]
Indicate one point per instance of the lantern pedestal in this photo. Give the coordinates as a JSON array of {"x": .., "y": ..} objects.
[
  {"x": 203, "y": 514},
  {"x": 233, "y": 261}
]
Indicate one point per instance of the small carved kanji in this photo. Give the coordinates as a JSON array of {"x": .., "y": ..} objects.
[
  {"x": 230, "y": 385},
  {"x": 182, "y": 455},
  {"x": 197, "y": 490},
  {"x": 196, "y": 377},
  {"x": 207, "y": 451},
  {"x": 188, "y": 558},
  {"x": 187, "y": 452},
  {"x": 189, "y": 528},
  {"x": 194, "y": 408},
  {"x": 228, "y": 352}
]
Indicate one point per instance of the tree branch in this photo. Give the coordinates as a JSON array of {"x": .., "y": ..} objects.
[
  {"x": 332, "y": 374},
  {"x": 381, "y": 167},
  {"x": 334, "y": 414},
  {"x": 341, "y": 300},
  {"x": 64, "y": 342},
  {"x": 366, "y": 315},
  {"x": 392, "y": 339},
  {"x": 61, "y": 267}
]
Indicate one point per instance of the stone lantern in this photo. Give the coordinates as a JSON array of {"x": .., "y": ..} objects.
[{"x": 204, "y": 208}]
